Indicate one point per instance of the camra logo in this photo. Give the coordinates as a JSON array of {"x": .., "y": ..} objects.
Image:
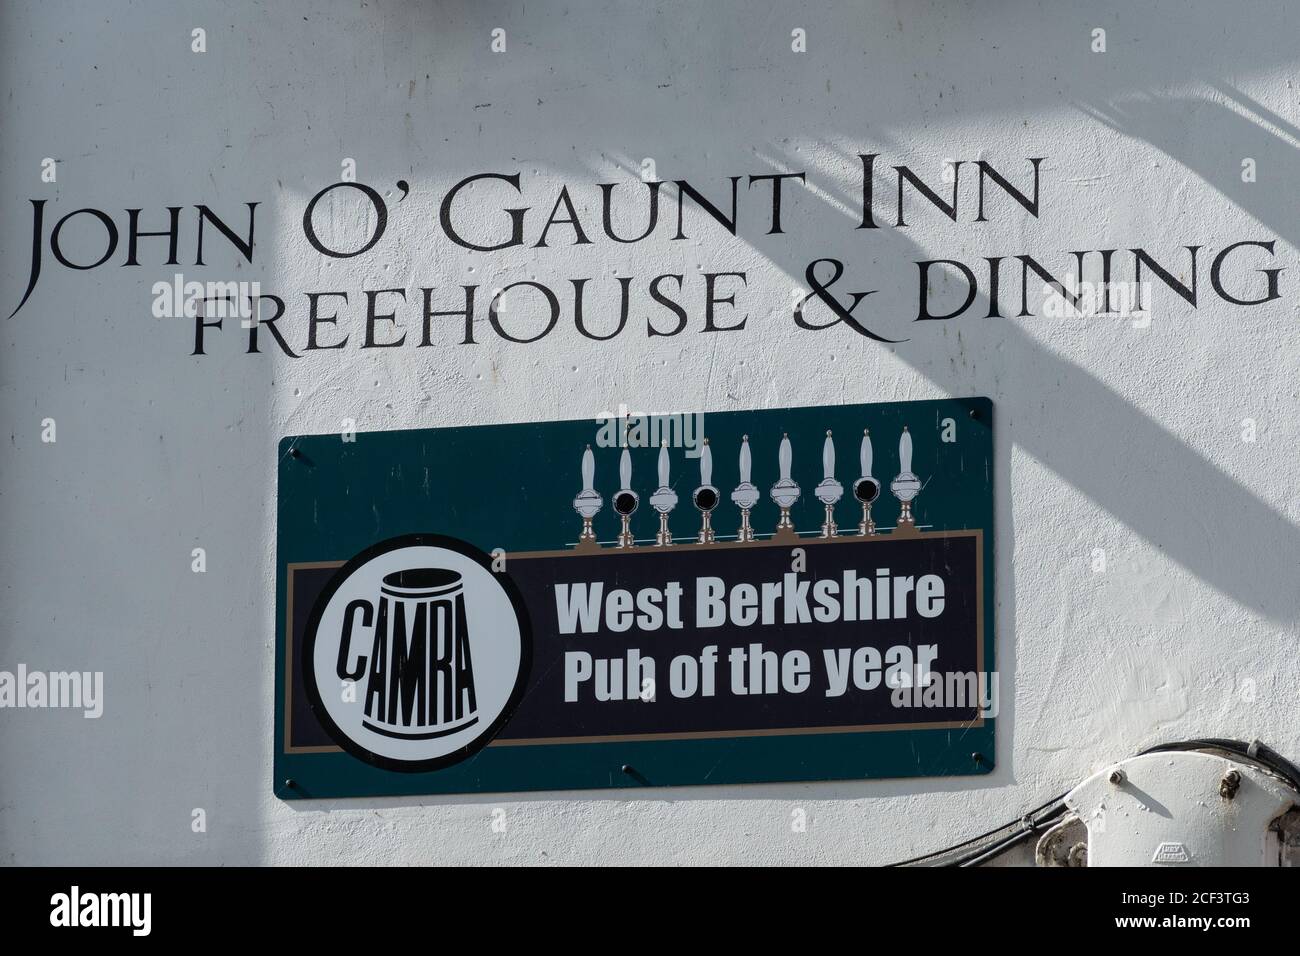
[{"x": 416, "y": 653}]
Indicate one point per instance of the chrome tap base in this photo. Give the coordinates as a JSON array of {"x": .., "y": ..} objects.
[
  {"x": 706, "y": 530},
  {"x": 665, "y": 537},
  {"x": 866, "y": 526},
  {"x": 746, "y": 532},
  {"x": 785, "y": 528},
  {"x": 587, "y": 540},
  {"x": 830, "y": 528},
  {"x": 625, "y": 539},
  {"x": 906, "y": 523}
]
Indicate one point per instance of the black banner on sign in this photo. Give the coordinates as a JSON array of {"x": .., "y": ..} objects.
[
  {"x": 748, "y": 640},
  {"x": 847, "y": 634}
]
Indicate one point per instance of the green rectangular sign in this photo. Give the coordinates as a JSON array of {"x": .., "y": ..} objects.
[{"x": 637, "y": 600}]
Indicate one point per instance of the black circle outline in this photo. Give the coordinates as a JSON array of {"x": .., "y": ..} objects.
[{"x": 308, "y": 655}]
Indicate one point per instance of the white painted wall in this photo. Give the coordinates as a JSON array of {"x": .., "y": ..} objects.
[{"x": 1108, "y": 436}]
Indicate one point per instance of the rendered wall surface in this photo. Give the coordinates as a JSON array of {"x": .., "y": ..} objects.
[{"x": 1119, "y": 434}]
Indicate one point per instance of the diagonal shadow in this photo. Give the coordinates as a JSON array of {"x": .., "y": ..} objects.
[
  {"x": 1171, "y": 123},
  {"x": 1090, "y": 435}
]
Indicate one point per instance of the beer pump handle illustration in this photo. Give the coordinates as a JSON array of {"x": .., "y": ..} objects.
[
  {"x": 706, "y": 496},
  {"x": 663, "y": 500},
  {"x": 906, "y": 486},
  {"x": 785, "y": 493},
  {"x": 829, "y": 491},
  {"x": 866, "y": 489},
  {"x": 588, "y": 502},
  {"x": 626, "y": 500},
  {"x": 746, "y": 495}
]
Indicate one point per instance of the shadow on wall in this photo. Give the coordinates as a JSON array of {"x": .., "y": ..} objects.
[
  {"x": 1089, "y": 435},
  {"x": 1210, "y": 135},
  {"x": 1094, "y": 438}
]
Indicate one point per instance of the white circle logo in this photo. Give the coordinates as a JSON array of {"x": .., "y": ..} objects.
[{"x": 416, "y": 653}]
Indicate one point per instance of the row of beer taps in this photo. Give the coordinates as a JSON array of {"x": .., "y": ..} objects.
[{"x": 784, "y": 494}]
